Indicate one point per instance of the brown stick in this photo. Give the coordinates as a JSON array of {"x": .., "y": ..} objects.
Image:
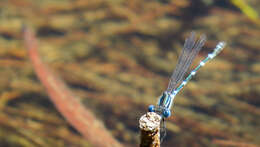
[
  {"x": 150, "y": 130},
  {"x": 67, "y": 104}
]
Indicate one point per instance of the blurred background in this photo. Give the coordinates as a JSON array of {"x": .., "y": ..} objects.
[{"x": 117, "y": 56}]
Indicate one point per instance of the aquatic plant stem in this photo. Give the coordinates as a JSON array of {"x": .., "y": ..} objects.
[
  {"x": 149, "y": 125},
  {"x": 66, "y": 103}
]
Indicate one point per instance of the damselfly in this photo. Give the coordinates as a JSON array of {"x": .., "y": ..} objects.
[{"x": 190, "y": 50}]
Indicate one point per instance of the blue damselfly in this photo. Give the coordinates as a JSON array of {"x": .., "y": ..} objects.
[{"x": 190, "y": 50}]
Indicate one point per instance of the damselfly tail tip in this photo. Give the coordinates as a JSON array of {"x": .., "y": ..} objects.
[{"x": 222, "y": 44}]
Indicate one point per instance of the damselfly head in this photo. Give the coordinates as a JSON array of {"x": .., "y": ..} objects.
[{"x": 164, "y": 112}]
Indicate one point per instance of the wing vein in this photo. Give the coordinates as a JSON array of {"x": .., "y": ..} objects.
[{"x": 190, "y": 49}]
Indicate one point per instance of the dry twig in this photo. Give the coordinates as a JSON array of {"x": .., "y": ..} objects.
[{"x": 150, "y": 130}]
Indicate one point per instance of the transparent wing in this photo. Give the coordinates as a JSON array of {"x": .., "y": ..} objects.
[{"x": 190, "y": 49}]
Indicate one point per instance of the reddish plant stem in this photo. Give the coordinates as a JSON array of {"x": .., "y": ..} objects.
[{"x": 67, "y": 104}]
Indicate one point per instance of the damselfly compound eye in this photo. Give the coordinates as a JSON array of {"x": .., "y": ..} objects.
[
  {"x": 166, "y": 113},
  {"x": 151, "y": 108}
]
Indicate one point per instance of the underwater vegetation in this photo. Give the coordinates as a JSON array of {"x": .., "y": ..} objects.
[
  {"x": 117, "y": 56},
  {"x": 64, "y": 100}
]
